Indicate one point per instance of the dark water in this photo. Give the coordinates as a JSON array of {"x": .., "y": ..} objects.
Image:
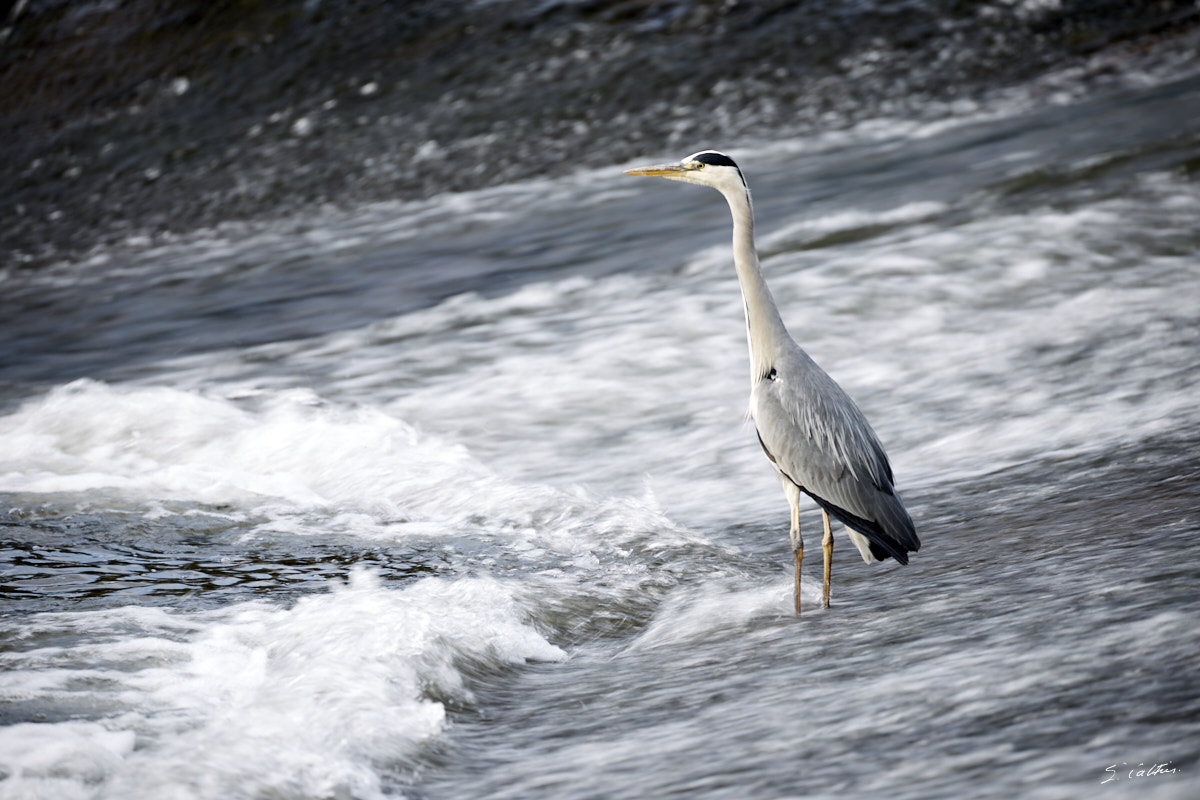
[
  {"x": 452, "y": 497},
  {"x": 136, "y": 119}
]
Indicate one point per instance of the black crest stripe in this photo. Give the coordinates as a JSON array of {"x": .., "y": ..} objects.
[{"x": 715, "y": 159}]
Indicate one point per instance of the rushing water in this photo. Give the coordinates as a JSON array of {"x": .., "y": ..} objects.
[{"x": 455, "y": 498}]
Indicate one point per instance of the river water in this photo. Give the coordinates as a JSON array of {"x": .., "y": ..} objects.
[{"x": 455, "y": 498}]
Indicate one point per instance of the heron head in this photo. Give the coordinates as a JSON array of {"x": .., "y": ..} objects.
[{"x": 708, "y": 168}]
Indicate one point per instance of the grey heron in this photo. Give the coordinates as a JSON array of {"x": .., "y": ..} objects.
[{"x": 814, "y": 435}]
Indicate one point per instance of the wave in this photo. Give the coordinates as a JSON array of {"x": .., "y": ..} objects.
[
  {"x": 326, "y": 698},
  {"x": 283, "y": 456}
]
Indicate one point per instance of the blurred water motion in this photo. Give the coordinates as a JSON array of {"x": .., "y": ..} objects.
[{"x": 451, "y": 495}]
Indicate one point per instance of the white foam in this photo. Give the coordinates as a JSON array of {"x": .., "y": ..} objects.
[
  {"x": 59, "y": 761},
  {"x": 293, "y": 452},
  {"x": 320, "y": 699},
  {"x": 286, "y": 462},
  {"x": 696, "y": 613}
]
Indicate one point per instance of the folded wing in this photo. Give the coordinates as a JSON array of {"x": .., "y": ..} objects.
[{"x": 819, "y": 440}]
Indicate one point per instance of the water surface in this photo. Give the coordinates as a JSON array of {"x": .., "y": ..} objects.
[{"x": 455, "y": 498}]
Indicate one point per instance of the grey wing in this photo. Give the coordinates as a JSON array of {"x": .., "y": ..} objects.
[{"x": 820, "y": 440}]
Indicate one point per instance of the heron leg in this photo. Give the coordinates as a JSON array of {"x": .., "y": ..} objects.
[
  {"x": 793, "y": 496},
  {"x": 827, "y": 548}
]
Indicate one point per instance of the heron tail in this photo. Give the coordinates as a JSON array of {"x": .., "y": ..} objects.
[{"x": 893, "y": 535}]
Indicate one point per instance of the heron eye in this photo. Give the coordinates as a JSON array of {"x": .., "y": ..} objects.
[{"x": 771, "y": 374}]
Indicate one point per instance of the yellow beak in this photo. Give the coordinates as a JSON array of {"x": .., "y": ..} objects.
[{"x": 662, "y": 170}]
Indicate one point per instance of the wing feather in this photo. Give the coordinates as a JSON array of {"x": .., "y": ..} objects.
[{"x": 819, "y": 440}]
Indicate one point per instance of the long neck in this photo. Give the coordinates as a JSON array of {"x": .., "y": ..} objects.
[{"x": 764, "y": 327}]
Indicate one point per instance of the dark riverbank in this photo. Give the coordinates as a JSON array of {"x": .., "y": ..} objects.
[{"x": 151, "y": 119}]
